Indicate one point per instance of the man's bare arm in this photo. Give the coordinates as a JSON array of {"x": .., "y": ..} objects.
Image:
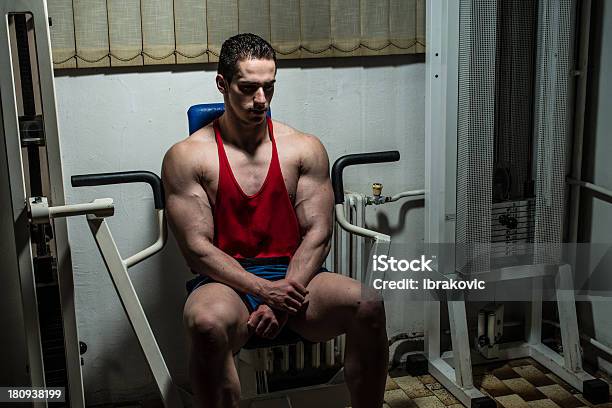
[
  {"x": 313, "y": 207},
  {"x": 191, "y": 220}
]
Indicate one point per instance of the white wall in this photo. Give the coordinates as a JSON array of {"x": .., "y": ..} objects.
[{"x": 118, "y": 120}]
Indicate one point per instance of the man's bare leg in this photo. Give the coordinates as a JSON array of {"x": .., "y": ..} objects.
[
  {"x": 336, "y": 306},
  {"x": 367, "y": 356},
  {"x": 215, "y": 318}
]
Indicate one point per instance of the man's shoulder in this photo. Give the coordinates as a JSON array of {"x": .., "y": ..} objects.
[
  {"x": 306, "y": 142},
  {"x": 196, "y": 144},
  {"x": 202, "y": 138},
  {"x": 305, "y": 148},
  {"x": 190, "y": 155}
]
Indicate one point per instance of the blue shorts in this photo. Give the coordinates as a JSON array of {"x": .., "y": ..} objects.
[{"x": 271, "y": 269}]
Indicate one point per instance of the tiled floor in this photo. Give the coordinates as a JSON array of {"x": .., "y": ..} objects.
[
  {"x": 519, "y": 383},
  {"x": 515, "y": 384}
]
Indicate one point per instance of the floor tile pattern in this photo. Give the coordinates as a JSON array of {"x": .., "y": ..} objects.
[{"x": 521, "y": 383}]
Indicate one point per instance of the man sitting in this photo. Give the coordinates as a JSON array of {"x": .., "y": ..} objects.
[{"x": 250, "y": 202}]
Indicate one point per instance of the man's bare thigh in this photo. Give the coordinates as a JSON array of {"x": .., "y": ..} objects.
[
  {"x": 332, "y": 301},
  {"x": 224, "y": 306}
]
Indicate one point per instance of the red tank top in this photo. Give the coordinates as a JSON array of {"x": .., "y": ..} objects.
[{"x": 262, "y": 225}]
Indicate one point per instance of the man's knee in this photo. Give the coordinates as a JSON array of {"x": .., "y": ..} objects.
[
  {"x": 208, "y": 331},
  {"x": 370, "y": 315}
]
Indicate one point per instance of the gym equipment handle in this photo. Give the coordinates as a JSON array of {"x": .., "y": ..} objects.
[
  {"x": 123, "y": 177},
  {"x": 352, "y": 159}
]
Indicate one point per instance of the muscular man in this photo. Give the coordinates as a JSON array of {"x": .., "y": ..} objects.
[{"x": 250, "y": 203}]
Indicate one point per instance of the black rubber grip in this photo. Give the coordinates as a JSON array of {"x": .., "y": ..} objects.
[
  {"x": 122, "y": 177},
  {"x": 352, "y": 159}
]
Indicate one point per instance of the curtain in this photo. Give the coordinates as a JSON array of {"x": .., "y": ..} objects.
[{"x": 114, "y": 33}]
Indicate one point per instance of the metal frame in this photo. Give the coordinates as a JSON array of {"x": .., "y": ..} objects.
[
  {"x": 38, "y": 9},
  {"x": 581, "y": 90},
  {"x": 117, "y": 269},
  {"x": 17, "y": 253},
  {"x": 376, "y": 242},
  {"x": 454, "y": 369},
  {"x": 568, "y": 367},
  {"x": 440, "y": 147},
  {"x": 41, "y": 212},
  {"x": 590, "y": 186}
]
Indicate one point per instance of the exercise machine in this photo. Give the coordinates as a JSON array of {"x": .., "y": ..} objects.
[
  {"x": 499, "y": 82},
  {"x": 38, "y": 297}
]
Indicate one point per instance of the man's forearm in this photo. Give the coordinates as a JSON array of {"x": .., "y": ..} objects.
[
  {"x": 210, "y": 261},
  {"x": 308, "y": 258}
]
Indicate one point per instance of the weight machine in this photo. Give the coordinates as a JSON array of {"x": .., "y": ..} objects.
[
  {"x": 38, "y": 303},
  {"x": 499, "y": 82}
]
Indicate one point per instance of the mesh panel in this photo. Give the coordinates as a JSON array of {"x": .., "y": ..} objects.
[
  {"x": 475, "y": 132},
  {"x": 552, "y": 126},
  {"x": 515, "y": 64}
]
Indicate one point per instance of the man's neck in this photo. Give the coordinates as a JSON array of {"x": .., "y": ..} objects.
[{"x": 244, "y": 136}]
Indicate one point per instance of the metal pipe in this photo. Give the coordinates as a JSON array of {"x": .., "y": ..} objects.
[
  {"x": 299, "y": 355},
  {"x": 102, "y": 207},
  {"x": 377, "y": 200},
  {"x": 350, "y": 210},
  {"x": 505, "y": 324},
  {"x": 40, "y": 212},
  {"x": 414, "y": 336},
  {"x": 157, "y": 245},
  {"x": 353, "y": 229},
  {"x": 410, "y": 193},
  {"x": 581, "y": 89},
  {"x": 336, "y": 249},
  {"x": 586, "y": 338},
  {"x": 481, "y": 324},
  {"x": 591, "y": 186},
  {"x": 491, "y": 328},
  {"x": 597, "y": 344}
]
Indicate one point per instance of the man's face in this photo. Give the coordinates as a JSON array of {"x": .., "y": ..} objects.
[{"x": 250, "y": 92}]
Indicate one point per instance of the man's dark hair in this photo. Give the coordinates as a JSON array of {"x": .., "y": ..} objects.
[{"x": 241, "y": 47}]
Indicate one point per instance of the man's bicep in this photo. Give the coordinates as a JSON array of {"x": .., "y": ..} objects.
[
  {"x": 187, "y": 207},
  {"x": 314, "y": 195},
  {"x": 315, "y": 209},
  {"x": 190, "y": 215}
]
